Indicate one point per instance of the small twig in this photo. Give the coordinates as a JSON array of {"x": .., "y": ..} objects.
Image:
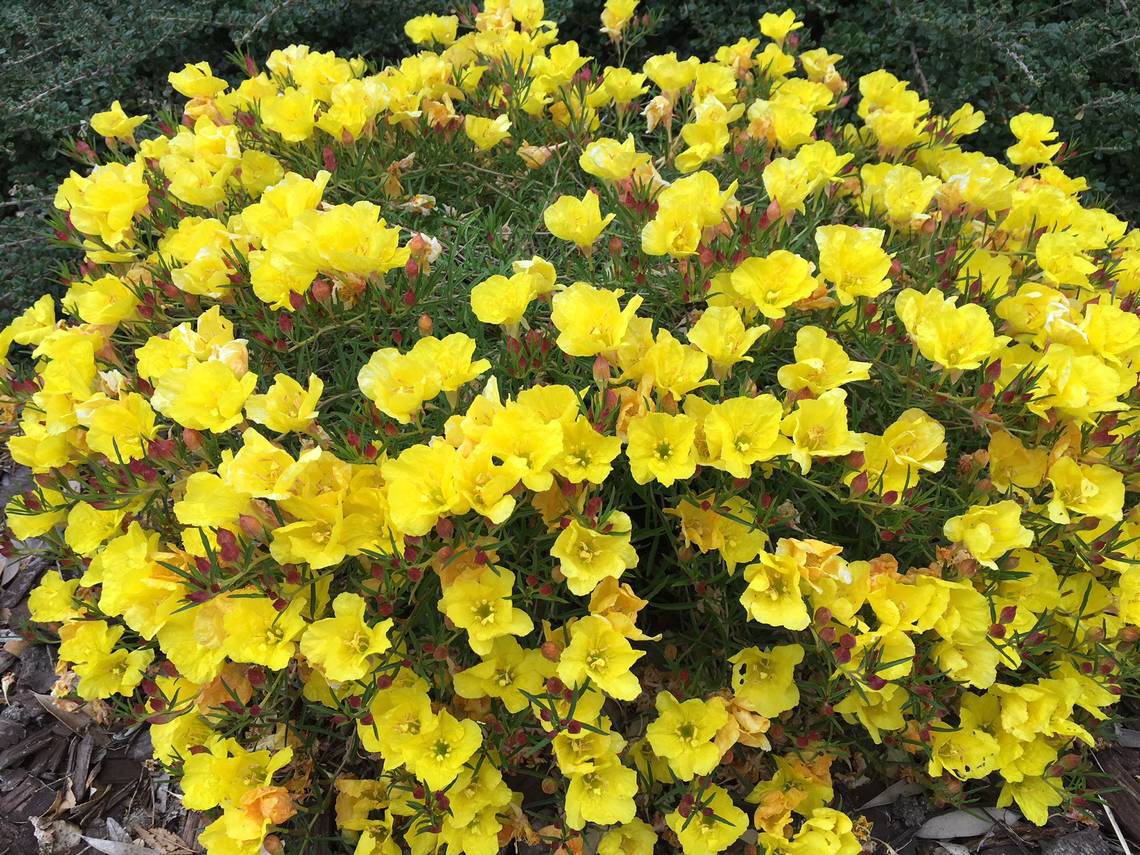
[
  {"x": 257, "y": 25},
  {"x": 1112, "y": 817},
  {"x": 918, "y": 69},
  {"x": 1020, "y": 63},
  {"x": 913, "y": 55}
]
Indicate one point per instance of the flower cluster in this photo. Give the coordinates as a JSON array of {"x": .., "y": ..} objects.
[{"x": 504, "y": 445}]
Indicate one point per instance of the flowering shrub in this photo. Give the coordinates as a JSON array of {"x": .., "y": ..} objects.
[{"x": 508, "y": 445}]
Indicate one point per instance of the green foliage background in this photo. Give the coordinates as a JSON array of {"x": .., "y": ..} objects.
[{"x": 62, "y": 60}]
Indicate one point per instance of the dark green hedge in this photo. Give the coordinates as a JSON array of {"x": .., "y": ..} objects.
[{"x": 62, "y": 60}]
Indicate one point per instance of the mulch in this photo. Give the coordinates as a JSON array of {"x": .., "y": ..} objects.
[{"x": 75, "y": 781}]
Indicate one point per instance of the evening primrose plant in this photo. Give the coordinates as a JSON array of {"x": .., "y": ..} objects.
[{"x": 516, "y": 446}]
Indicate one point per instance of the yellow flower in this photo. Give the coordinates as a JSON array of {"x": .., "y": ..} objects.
[
  {"x": 499, "y": 300},
  {"x": 117, "y": 427},
  {"x": 590, "y": 320},
  {"x": 821, "y": 364},
  {"x": 875, "y": 710},
  {"x": 586, "y": 454},
  {"x": 1014, "y": 465},
  {"x": 773, "y": 595},
  {"x": 450, "y": 358},
  {"x": 87, "y": 526},
  {"x": 398, "y": 383},
  {"x": 257, "y": 632},
  {"x": 670, "y": 367},
  {"x": 508, "y": 672},
  {"x": 424, "y": 29},
  {"x": 989, "y": 531},
  {"x": 765, "y": 679},
  {"x": 481, "y": 604},
  {"x": 104, "y": 204},
  {"x": 1091, "y": 491},
  {"x": 611, "y": 160},
  {"x": 825, "y": 832},
  {"x": 683, "y": 733},
  {"x": 487, "y": 133},
  {"x": 739, "y": 432},
  {"x": 346, "y": 238},
  {"x": 1034, "y": 795},
  {"x": 291, "y": 114},
  {"x": 287, "y": 406},
  {"x": 706, "y": 140},
  {"x": 720, "y": 333},
  {"x": 576, "y": 220},
  {"x": 206, "y": 396},
  {"x": 774, "y": 282},
  {"x": 106, "y": 300},
  {"x": 116, "y": 124},
  {"x": 616, "y": 15},
  {"x": 851, "y": 258},
  {"x": 622, "y": 85},
  {"x": 633, "y": 838},
  {"x": 671, "y": 74},
  {"x": 438, "y": 753},
  {"x": 1035, "y": 136},
  {"x": 603, "y": 795},
  {"x": 421, "y": 486},
  {"x": 912, "y": 444},
  {"x": 714, "y": 825},
  {"x": 196, "y": 81},
  {"x": 684, "y": 208},
  {"x": 954, "y": 337},
  {"x": 53, "y": 599},
  {"x": 598, "y": 653},
  {"x": 818, "y": 428},
  {"x": 588, "y": 556},
  {"x": 779, "y": 27},
  {"x": 662, "y": 448},
  {"x": 901, "y": 192},
  {"x": 340, "y": 645}
]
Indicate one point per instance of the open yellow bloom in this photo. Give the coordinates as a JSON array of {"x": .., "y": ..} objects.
[
  {"x": 603, "y": 795},
  {"x": 612, "y": 160},
  {"x": 955, "y": 337},
  {"x": 739, "y": 432},
  {"x": 116, "y": 124},
  {"x": 599, "y": 653},
  {"x": 206, "y": 396},
  {"x": 774, "y": 282},
  {"x": 481, "y": 604},
  {"x": 715, "y": 824},
  {"x": 853, "y": 261},
  {"x": 661, "y": 448},
  {"x": 818, "y": 428},
  {"x": 576, "y": 220},
  {"x": 287, "y": 405},
  {"x": 990, "y": 531},
  {"x": 590, "y": 320},
  {"x": 341, "y": 645},
  {"x": 765, "y": 679},
  {"x": 588, "y": 556},
  {"x": 487, "y": 133},
  {"x": 821, "y": 364},
  {"x": 721, "y": 335},
  {"x": 683, "y": 733},
  {"x": 773, "y": 595},
  {"x": 424, "y": 29}
]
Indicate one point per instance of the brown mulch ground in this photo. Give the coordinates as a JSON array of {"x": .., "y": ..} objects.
[{"x": 73, "y": 782}]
